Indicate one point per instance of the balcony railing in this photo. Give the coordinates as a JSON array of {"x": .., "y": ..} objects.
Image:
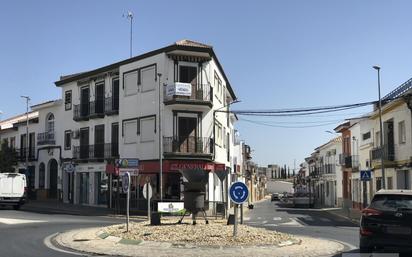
[
  {"x": 97, "y": 151},
  {"x": 188, "y": 145},
  {"x": 97, "y": 108},
  {"x": 111, "y": 105},
  {"x": 329, "y": 168},
  {"x": 200, "y": 94},
  {"x": 46, "y": 138},
  {"x": 21, "y": 154},
  {"x": 387, "y": 151},
  {"x": 81, "y": 111}
]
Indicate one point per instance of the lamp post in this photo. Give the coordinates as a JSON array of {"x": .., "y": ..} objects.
[
  {"x": 381, "y": 126},
  {"x": 27, "y": 134},
  {"x": 159, "y": 75}
]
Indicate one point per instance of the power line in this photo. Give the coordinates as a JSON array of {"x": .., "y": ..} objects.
[{"x": 283, "y": 126}]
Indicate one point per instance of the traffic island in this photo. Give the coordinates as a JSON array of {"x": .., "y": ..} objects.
[{"x": 171, "y": 239}]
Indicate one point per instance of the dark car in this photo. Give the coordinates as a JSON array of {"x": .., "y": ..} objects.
[
  {"x": 275, "y": 197},
  {"x": 386, "y": 224}
]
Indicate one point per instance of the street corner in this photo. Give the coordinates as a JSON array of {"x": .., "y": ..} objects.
[{"x": 109, "y": 242}]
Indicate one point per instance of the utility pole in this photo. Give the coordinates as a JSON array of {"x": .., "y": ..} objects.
[
  {"x": 381, "y": 127},
  {"x": 159, "y": 75},
  {"x": 27, "y": 134}
]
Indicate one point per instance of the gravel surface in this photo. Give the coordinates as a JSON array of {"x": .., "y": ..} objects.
[{"x": 216, "y": 233}]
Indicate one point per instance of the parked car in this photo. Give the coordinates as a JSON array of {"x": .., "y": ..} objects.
[
  {"x": 275, "y": 197},
  {"x": 303, "y": 200},
  {"x": 387, "y": 222},
  {"x": 13, "y": 188}
]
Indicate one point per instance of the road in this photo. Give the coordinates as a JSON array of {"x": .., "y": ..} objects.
[
  {"x": 304, "y": 222},
  {"x": 23, "y": 233}
]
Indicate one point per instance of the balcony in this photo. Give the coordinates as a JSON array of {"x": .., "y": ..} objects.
[
  {"x": 46, "y": 138},
  {"x": 97, "y": 109},
  {"x": 329, "y": 169},
  {"x": 81, "y": 111},
  {"x": 387, "y": 151},
  {"x": 111, "y": 105},
  {"x": 21, "y": 154},
  {"x": 185, "y": 93},
  {"x": 96, "y": 152},
  {"x": 196, "y": 147},
  {"x": 355, "y": 162}
]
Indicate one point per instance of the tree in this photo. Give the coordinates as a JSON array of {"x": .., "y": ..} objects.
[{"x": 8, "y": 158}]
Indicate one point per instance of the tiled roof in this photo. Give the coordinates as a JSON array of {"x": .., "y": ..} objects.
[{"x": 187, "y": 42}]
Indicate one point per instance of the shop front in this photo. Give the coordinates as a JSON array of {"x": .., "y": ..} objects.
[
  {"x": 90, "y": 184},
  {"x": 150, "y": 171}
]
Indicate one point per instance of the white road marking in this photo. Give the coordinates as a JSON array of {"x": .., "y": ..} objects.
[
  {"x": 259, "y": 218},
  {"x": 277, "y": 218},
  {"x": 264, "y": 222},
  {"x": 246, "y": 218},
  {"x": 271, "y": 225},
  {"x": 292, "y": 222},
  {"x": 19, "y": 221}
]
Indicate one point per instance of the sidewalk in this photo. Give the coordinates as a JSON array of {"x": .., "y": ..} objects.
[
  {"x": 93, "y": 241},
  {"x": 353, "y": 215},
  {"x": 55, "y": 207}
]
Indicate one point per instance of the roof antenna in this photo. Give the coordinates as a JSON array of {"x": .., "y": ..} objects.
[{"x": 129, "y": 16}]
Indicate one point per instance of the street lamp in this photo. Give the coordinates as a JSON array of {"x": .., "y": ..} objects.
[
  {"x": 381, "y": 126},
  {"x": 27, "y": 133},
  {"x": 159, "y": 75}
]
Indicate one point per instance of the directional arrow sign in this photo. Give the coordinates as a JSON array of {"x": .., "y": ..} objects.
[{"x": 238, "y": 192}]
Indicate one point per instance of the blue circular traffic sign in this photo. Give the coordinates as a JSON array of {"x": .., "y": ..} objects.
[{"x": 238, "y": 192}]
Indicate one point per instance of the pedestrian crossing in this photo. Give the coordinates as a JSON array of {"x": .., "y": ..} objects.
[
  {"x": 10, "y": 221},
  {"x": 290, "y": 222}
]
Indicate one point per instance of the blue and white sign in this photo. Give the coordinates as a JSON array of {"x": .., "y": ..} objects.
[
  {"x": 238, "y": 192},
  {"x": 127, "y": 163},
  {"x": 365, "y": 175},
  {"x": 126, "y": 181}
]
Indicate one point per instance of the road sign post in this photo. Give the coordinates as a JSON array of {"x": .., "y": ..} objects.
[
  {"x": 147, "y": 193},
  {"x": 126, "y": 187},
  {"x": 238, "y": 193}
]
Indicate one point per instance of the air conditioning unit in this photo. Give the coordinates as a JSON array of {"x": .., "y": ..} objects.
[{"x": 76, "y": 134}]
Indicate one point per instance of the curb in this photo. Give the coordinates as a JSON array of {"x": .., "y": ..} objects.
[
  {"x": 106, "y": 236},
  {"x": 93, "y": 242},
  {"x": 355, "y": 221}
]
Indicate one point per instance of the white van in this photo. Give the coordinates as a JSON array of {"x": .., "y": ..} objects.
[{"x": 12, "y": 189}]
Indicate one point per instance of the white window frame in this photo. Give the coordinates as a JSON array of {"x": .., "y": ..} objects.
[
  {"x": 142, "y": 84},
  {"x": 134, "y": 92},
  {"x": 125, "y": 137},
  {"x": 142, "y": 136},
  {"x": 402, "y": 132}
]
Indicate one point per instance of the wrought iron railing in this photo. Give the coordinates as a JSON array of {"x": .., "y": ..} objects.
[
  {"x": 46, "y": 138},
  {"x": 22, "y": 152},
  {"x": 199, "y": 93},
  {"x": 96, "y": 151},
  {"x": 387, "y": 151},
  {"x": 97, "y": 108},
  {"x": 188, "y": 145},
  {"x": 111, "y": 105}
]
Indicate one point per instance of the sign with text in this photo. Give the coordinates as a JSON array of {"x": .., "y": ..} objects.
[
  {"x": 170, "y": 207},
  {"x": 179, "y": 88},
  {"x": 191, "y": 166},
  {"x": 127, "y": 163}
]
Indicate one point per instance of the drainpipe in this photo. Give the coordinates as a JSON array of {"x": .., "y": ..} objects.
[{"x": 408, "y": 100}]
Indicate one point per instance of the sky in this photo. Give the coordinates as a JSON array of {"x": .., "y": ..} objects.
[{"x": 276, "y": 54}]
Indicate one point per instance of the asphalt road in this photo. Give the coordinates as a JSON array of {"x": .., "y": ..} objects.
[
  {"x": 23, "y": 233},
  {"x": 304, "y": 222}
]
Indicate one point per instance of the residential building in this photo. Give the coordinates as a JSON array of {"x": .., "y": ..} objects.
[{"x": 179, "y": 94}]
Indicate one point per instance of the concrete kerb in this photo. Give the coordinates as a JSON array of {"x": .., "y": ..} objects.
[{"x": 96, "y": 241}]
